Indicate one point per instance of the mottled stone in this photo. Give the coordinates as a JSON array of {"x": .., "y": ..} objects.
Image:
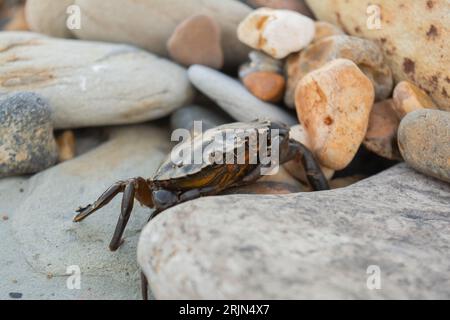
[
  {"x": 234, "y": 98},
  {"x": 381, "y": 136},
  {"x": 197, "y": 40},
  {"x": 265, "y": 29},
  {"x": 424, "y": 141},
  {"x": 27, "y": 144},
  {"x": 412, "y": 34},
  {"x": 92, "y": 83},
  {"x": 408, "y": 97},
  {"x": 333, "y": 104},
  {"x": 366, "y": 54},
  {"x": 316, "y": 245}
]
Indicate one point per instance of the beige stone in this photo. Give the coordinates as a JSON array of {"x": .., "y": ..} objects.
[
  {"x": 381, "y": 136},
  {"x": 366, "y": 54},
  {"x": 197, "y": 41},
  {"x": 266, "y": 29},
  {"x": 413, "y": 36},
  {"x": 408, "y": 98},
  {"x": 334, "y": 103},
  {"x": 325, "y": 29}
]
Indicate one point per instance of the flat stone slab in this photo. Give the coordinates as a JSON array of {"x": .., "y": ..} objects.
[
  {"x": 41, "y": 240},
  {"x": 306, "y": 245}
]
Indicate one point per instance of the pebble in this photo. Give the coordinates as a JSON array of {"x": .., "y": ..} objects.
[
  {"x": 276, "y": 32},
  {"x": 295, "y": 5},
  {"x": 92, "y": 83},
  {"x": 267, "y": 86},
  {"x": 296, "y": 168},
  {"x": 381, "y": 136},
  {"x": 325, "y": 29},
  {"x": 260, "y": 62},
  {"x": 145, "y": 24},
  {"x": 263, "y": 77},
  {"x": 281, "y": 246},
  {"x": 413, "y": 36},
  {"x": 408, "y": 97},
  {"x": 424, "y": 142},
  {"x": 27, "y": 144},
  {"x": 334, "y": 103},
  {"x": 66, "y": 145},
  {"x": 364, "y": 53},
  {"x": 197, "y": 40},
  {"x": 234, "y": 98}
]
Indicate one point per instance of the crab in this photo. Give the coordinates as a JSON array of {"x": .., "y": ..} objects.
[{"x": 183, "y": 180}]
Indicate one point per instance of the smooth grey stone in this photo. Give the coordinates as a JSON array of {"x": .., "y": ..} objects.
[
  {"x": 27, "y": 144},
  {"x": 210, "y": 117},
  {"x": 92, "y": 83},
  {"x": 306, "y": 245},
  {"x": 47, "y": 239},
  {"x": 234, "y": 98},
  {"x": 424, "y": 142}
]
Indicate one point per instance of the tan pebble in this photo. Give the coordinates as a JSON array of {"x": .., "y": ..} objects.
[
  {"x": 197, "y": 40},
  {"x": 408, "y": 97},
  {"x": 267, "y": 86},
  {"x": 334, "y": 104},
  {"x": 366, "y": 54},
  {"x": 381, "y": 136},
  {"x": 66, "y": 145},
  {"x": 296, "y": 168},
  {"x": 325, "y": 29}
]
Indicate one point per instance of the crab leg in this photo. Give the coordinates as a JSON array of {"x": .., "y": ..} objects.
[
  {"x": 134, "y": 188},
  {"x": 313, "y": 171}
]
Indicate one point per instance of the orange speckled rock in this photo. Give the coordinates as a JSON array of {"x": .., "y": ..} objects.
[
  {"x": 267, "y": 86},
  {"x": 424, "y": 141},
  {"x": 413, "y": 35},
  {"x": 408, "y": 98},
  {"x": 366, "y": 54},
  {"x": 381, "y": 136},
  {"x": 334, "y": 104}
]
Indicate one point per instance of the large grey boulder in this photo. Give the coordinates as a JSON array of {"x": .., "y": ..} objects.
[
  {"x": 306, "y": 245},
  {"x": 92, "y": 83}
]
